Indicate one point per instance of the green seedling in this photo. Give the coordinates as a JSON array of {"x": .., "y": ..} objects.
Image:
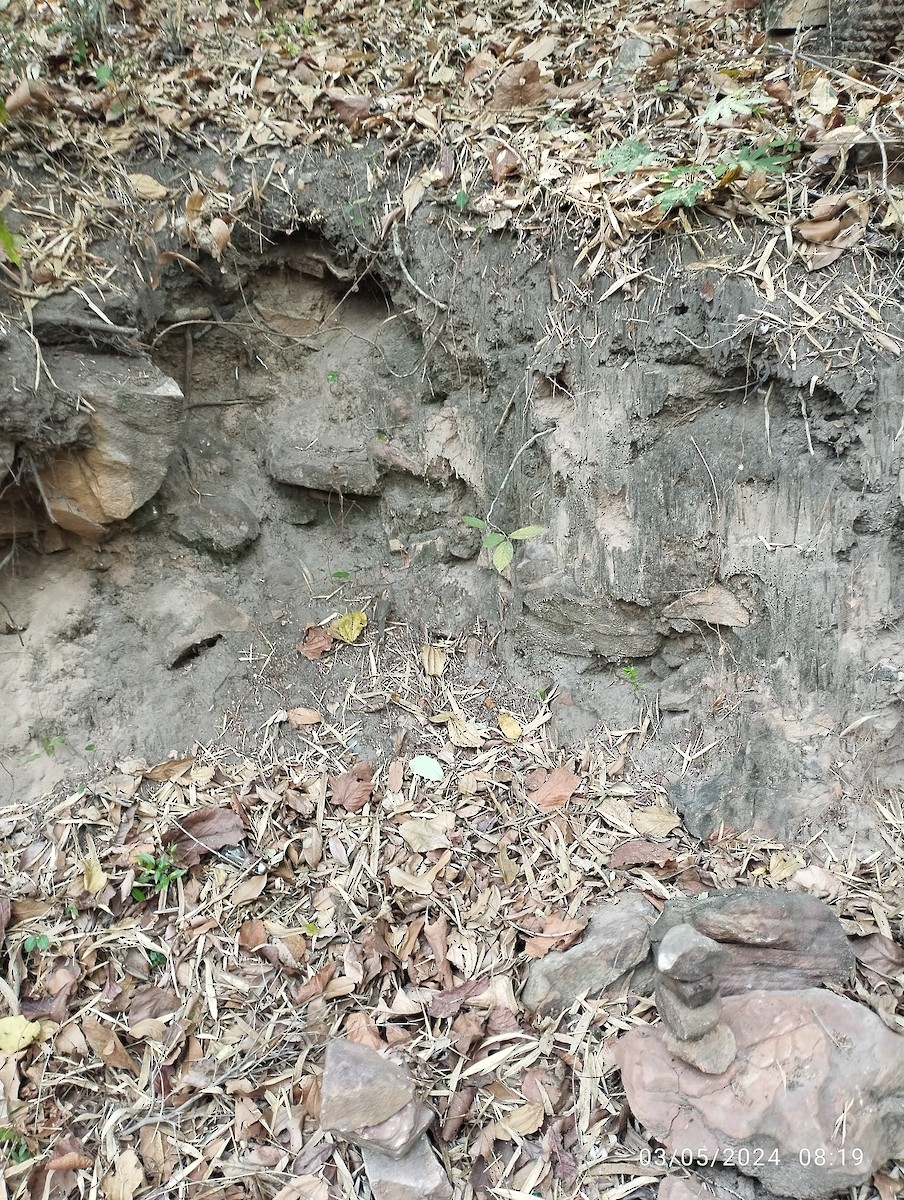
[
  {"x": 502, "y": 544},
  {"x": 157, "y": 873},
  {"x": 14, "y": 1145},
  {"x": 341, "y": 575},
  {"x": 461, "y": 200},
  {"x": 157, "y": 960},
  {"x": 36, "y": 941},
  {"x": 629, "y": 674},
  {"x": 48, "y": 746},
  {"x": 332, "y": 376}
]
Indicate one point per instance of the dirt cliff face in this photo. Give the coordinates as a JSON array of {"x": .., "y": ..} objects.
[{"x": 720, "y": 493}]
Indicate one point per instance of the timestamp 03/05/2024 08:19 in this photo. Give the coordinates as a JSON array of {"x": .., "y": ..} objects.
[{"x": 745, "y": 1156}]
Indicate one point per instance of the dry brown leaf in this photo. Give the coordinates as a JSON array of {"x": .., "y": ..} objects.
[
  {"x": 819, "y": 231},
  {"x": 509, "y": 726},
  {"x": 640, "y": 853},
  {"x": 353, "y": 789},
  {"x": 459, "y": 1108},
  {"x": 150, "y": 1001},
  {"x": 433, "y": 660},
  {"x": 556, "y": 791},
  {"x": 413, "y": 194},
  {"x": 657, "y": 821},
  {"x": 315, "y": 643},
  {"x": 248, "y": 890},
  {"x": 360, "y": 1028},
  {"x": 126, "y": 1178},
  {"x": 879, "y": 953},
  {"x": 450, "y": 1001},
  {"x": 202, "y": 832},
  {"x": 395, "y": 776},
  {"x": 107, "y": 1046},
  {"x": 519, "y": 86},
  {"x": 428, "y": 833},
  {"x": 171, "y": 769},
  {"x": 520, "y": 1122},
  {"x": 503, "y": 162},
  {"x": 220, "y": 233},
  {"x": 316, "y": 985},
  {"x": 252, "y": 934},
  {"x": 349, "y": 108},
  {"x": 147, "y": 187},
  {"x": 558, "y": 933},
  {"x": 302, "y": 718}
]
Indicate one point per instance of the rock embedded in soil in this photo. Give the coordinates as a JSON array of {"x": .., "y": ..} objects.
[
  {"x": 615, "y": 942},
  {"x": 804, "y": 1059},
  {"x": 134, "y": 421},
  {"x": 772, "y": 940},
  {"x": 369, "y": 1100},
  {"x": 325, "y": 463},
  {"x": 418, "y": 1176},
  {"x": 222, "y": 525}
]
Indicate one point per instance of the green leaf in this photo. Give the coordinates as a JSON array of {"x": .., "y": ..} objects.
[
  {"x": 104, "y": 75},
  {"x": 4, "y": 114},
  {"x": 684, "y": 197},
  {"x": 503, "y": 555},
  {"x": 475, "y": 522},
  {"x": 628, "y": 155},
  {"x": 742, "y": 103},
  {"x": 8, "y": 244},
  {"x": 427, "y": 768},
  {"x": 462, "y": 200},
  {"x": 527, "y": 531},
  {"x": 493, "y": 539}
]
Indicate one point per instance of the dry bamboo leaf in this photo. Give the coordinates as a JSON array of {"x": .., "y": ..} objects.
[
  {"x": 94, "y": 879},
  {"x": 305, "y": 1187},
  {"x": 395, "y": 776},
  {"x": 248, "y": 890},
  {"x": 412, "y": 194},
  {"x": 463, "y": 732}
]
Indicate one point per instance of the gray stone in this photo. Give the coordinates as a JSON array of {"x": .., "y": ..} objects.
[
  {"x": 418, "y": 1176},
  {"x": 397, "y": 1134},
  {"x": 695, "y": 993},
  {"x": 772, "y": 940},
  {"x": 614, "y": 943},
  {"x": 219, "y": 524},
  {"x": 327, "y": 462},
  {"x": 683, "y": 1021},
  {"x": 182, "y": 620},
  {"x": 361, "y": 1088},
  {"x": 687, "y": 955},
  {"x": 804, "y": 1060},
  {"x": 712, "y": 1054}
]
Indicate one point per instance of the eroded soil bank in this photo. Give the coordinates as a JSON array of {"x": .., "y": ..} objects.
[{"x": 236, "y": 449}]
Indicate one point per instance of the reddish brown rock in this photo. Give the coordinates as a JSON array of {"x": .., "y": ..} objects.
[
  {"x": 419, "y": 1176},
  {"x": 775, "y": 940},
  {"x": 804, "y": 1060}
]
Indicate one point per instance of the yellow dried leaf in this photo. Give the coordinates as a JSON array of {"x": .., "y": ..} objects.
[
  {"x": 463, "y": 733},
  {"x": 427, "y": 833},
  {"x": 94, "y": 879},
  {"x": 300, "y": 717},
  {"x": 147, "y": 188},
  {"x": 654, "y": 822},
  {"x": 349, "y": 627},
  {"x": 521, "y": 1121},
  {"x": 782, "y": 865},
  {"x": 617, "y": 813},
  {"x": 126, "y": 1178},
  {"x": 509, "y": 726},
  {"x": 16, "y": 1033},
  {"x": 433, "y": 660}
]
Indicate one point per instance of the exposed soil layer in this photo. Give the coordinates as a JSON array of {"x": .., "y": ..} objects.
[{"x": 723, "y": 513}]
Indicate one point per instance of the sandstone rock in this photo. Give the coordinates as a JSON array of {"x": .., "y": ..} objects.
[
  {"x": 715, "y": 605},
  {"x": 135, "y": 422},
  {"x": 688, "y": 955},
  {"x": 327, "y": 463},
  {"x": 696, "y": 993},
  {"x": 804, "y": 1059},
  {"x": 682, "y": 1020},
  {"x": 614, "y": 943},
  {"x": 712, "y": 1054},
  {"x": 219, "y": 524},
  {"x": 361, "y": 1088},
  {"x": 772, "y": 940},
  {"x": 418, "y": 1176}
]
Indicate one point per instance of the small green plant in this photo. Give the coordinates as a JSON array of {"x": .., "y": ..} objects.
[
  {"x": 14, "y": 1145},
  {"x": 157, "y": 960},
  {"x": 36, "y": 941},
  {"x": 48, "y": 746},
  {"x": 341, "y": 575},
  {"x": 629, "y": 155},
  {"x": 501, "y": 543},
  {"x": 157, "y": 873},
  {"x": 461, "y": 200},
  {"x": 332, "y": 376},
  {"x": 629, "y": 674},
  {"x": 742, "y": 103}
]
